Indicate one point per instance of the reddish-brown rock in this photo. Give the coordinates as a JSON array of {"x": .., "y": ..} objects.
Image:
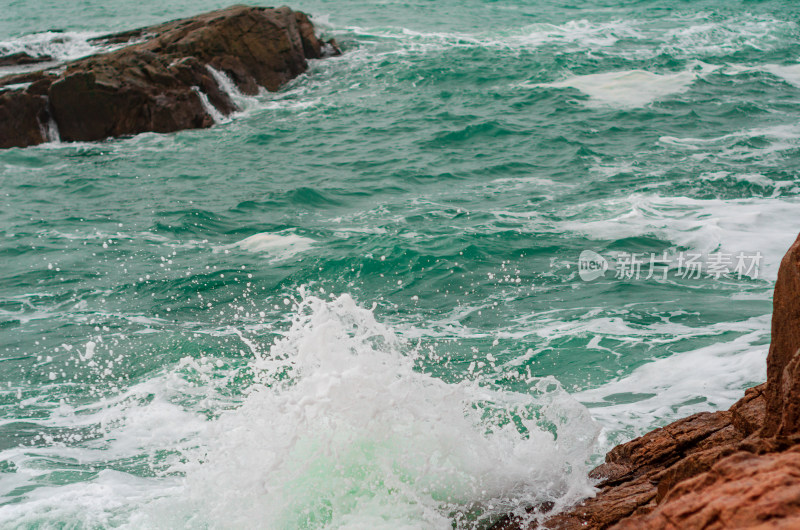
[
  {"x": 742, "y": 490},
  {"x": 738, "y": 468},
  {"x": 134, "y": 93},
  {"x": 783, "y": 376},
  {"x": 161, "y": 82},
  {"x": 17, "y": 113}
]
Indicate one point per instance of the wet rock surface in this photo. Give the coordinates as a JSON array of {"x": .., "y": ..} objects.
[{"x": 162, "y": 80}]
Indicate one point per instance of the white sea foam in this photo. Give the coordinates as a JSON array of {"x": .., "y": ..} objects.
[
  {"x": 699, "y": 35},
  {"x": 279, "y": 246},
  {"x": 582, "y": 33},
  {"x": 631, "y": 88},
  {"x": 611, "y": 170},
  {"x": 61, "y": 46},
  {"x": 663, "y": 390},
  {"x": 730, "y": 147},
  {"x": 707, "y": 226},
  {"x": 516, "y": 183},
  {"x": 700, "y": 225},
  {"x": 574, "y": 34},
  {"x": 751, "y": 178},
  {"x": 357, "y": 437},
  {"x": 339, "y": 430},
  {"x": 350, "y": 231},
  {"x": 104, "y": 502},
  {"x": 790, "y": 73},
  {"x": 143, "y": 420}
]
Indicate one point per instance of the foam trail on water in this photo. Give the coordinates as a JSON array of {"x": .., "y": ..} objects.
[
  {"x": 666, "y": 389},
  {"x": 679, "y": 36},
  {"x": 789, "y": 73},
  {"x": 705, "y": 225},
  {"x": 58, "y": 45},
  {"x": 631, "y": 88}
]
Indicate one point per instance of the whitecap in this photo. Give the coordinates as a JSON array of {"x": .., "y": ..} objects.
[
  {"x": 280, "y": 246},
  {"x": 788, "y": 72},
  {"x": 729, "y": 147}
]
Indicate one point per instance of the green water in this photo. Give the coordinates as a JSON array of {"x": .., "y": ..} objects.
[{"x": 445, "y": 173}]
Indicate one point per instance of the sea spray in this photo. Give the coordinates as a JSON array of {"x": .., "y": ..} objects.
[{"x": 341, "y": 430}]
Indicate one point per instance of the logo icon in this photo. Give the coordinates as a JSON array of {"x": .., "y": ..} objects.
[{"x": 591, "y": 265}]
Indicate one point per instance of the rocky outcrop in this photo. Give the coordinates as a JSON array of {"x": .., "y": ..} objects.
[
  {"x": 738, "y": 468},
  {"x": 783, "y": 362},
  {"x": 166, "y": 79}
]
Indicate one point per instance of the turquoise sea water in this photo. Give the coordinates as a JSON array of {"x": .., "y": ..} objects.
[{"x": 357, "y": 303}]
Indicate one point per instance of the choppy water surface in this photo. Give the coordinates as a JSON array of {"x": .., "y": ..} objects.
[{"x": 357, "y": 304}]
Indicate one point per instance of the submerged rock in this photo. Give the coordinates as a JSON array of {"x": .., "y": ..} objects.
[
  {"x": 738, "y": 468},
  {"x": 162, "y": 81},
  {"x": 22, "y": 58}
]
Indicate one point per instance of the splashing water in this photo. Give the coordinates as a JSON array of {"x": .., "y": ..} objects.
[{"x": 341, "y": 430}]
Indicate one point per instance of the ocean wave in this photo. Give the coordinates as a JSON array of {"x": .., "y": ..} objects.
[
  {"x": 788, "y": 72},
  {"x": 703, "y": 35},
  {"x": 338, "y": 429}
]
